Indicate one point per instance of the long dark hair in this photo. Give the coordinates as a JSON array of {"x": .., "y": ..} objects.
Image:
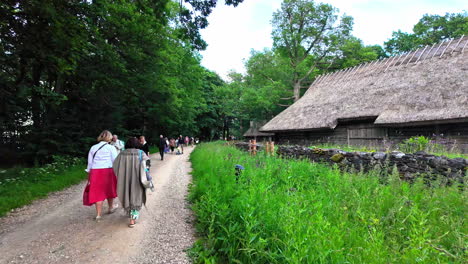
[{"x": 133, "y": 143}]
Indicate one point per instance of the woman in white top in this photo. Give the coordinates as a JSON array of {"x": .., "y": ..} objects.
[{"x": 102, "y": 182}]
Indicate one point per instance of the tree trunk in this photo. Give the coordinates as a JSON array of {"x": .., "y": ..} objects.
[
  {"x": 297, "y": 90},
  {"x": 36, "y": 96},
  {"x": 227, "y": 129}
]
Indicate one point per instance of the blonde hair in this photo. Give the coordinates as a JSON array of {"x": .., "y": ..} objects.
[{"x": 105, "y": 135}]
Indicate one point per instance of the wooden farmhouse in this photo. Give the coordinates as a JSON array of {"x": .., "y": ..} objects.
[{"x": 423, "y": 92}]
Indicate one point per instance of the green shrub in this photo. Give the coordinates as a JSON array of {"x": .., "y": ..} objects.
[
  {"x": 294, "y": 211},
  {"x": 414, "y": 144}
]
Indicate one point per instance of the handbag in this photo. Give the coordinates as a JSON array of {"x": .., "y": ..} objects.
[
  {"x": 145, "y": 177},
  {"x": 86, "y": 195}
]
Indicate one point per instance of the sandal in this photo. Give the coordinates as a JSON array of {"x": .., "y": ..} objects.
[
  {"x": 97, "y": 219},
  {"x": 114, "y": 208},
  {"x": 131, "y": 225}
]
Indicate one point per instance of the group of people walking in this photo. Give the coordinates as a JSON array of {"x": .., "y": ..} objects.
[
  {"x": 170, "y": 145},
  {"x": 117, "y": 169}
]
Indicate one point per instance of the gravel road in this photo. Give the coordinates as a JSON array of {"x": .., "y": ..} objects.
[{"x": 59, "y": 229}]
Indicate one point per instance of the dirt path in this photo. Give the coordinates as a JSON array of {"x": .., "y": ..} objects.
[{"x": 60, "y": 229}]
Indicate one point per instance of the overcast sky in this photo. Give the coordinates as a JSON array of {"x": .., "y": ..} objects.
[{"x": 234, "y": 32}]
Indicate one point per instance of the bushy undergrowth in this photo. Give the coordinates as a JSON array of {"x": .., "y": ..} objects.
[
  {"x": 293, "y": 211},
  {"x": 20, "y": 186}
]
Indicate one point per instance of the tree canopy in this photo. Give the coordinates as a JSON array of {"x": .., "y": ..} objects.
[
  {"x": 307, "y": 32},
  {"x": 429, "y": 30},
  {"x": 70, "y": 69}
]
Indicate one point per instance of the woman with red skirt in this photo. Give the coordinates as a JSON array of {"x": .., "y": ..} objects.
[{"x": 102, "y": 182}]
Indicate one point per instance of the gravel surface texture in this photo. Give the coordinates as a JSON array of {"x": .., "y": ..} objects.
[{"x": 59, "y": 229}]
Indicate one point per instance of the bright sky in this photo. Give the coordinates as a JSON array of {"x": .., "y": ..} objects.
[{"x": 234, "y": 32}]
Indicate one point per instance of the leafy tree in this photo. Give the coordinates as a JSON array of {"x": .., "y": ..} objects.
[
  {"x": 307, "y": 32},
  {"x": 208, "y": 118},
  {"x": 429, "y": 30},
  {"x": 72, "y": 68},
  {"x": 354, "y": 52}
]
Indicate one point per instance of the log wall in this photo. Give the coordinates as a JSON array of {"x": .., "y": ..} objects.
[{"x": 453, "y": 136}]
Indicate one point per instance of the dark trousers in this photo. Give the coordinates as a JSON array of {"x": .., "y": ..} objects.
[{"x": 161, "y": 152}]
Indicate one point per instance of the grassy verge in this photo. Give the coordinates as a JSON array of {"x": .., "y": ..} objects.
[
  {"x": 292, "y": 211},
  {"x": 21, "y": 186},
  {"x": 153, "y": 150}
]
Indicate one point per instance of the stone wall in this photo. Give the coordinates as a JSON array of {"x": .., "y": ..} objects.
[{"x": 409, "y": 165}]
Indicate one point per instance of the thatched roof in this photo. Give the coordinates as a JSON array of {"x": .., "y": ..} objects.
[
  {"x": 426, "y": 85},
  {"x": 253, "y": 131}
]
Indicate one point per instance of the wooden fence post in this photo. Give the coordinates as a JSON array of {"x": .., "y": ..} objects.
[{"x": 254, "y": 147}]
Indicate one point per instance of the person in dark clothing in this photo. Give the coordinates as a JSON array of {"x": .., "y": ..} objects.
[
  {"x": 144, "y": 145},
  {"x": 162, "y": 145},
  {"x": 180, "y": 143},
  {"x": 145, "y": 148}
]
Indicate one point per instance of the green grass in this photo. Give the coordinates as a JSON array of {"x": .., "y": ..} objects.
[
  {"x": 345, "y": 148},
  {"x": 294, "y": 211},
  {"x": 153, "y": 150},
  {"x": 21, "y": 186},
  {"x": 451, "y": 155}
]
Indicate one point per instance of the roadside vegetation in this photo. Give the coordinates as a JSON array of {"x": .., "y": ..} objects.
[
  {"x": 294, "y": 211},
  {"x": 20, "y": 186}
]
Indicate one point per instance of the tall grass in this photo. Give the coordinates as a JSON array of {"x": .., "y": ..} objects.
[
  {"x": 293, "y": 211},
  {"x": 20, "y": 186}
]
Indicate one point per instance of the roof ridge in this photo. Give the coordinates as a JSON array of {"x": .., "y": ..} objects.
[{"x": 420, "y": 54}]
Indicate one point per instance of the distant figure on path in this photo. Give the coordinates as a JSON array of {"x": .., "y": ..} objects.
[
  {"x": 144, "y": 145},
  {"x": 129, "y": 167},
  {"x": 161, "y": 146},
  {"x": 172, "y": 144},
  {"x": 180, "y": 143},
  {"x": 166, "y": 150},
  {"x": 118, "y": 144},
  {"x": 187, "y": 141},
  {"x": 102, "y": 182}
]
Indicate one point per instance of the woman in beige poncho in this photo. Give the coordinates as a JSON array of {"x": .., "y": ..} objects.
[{"x": 128, "y": 167}]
